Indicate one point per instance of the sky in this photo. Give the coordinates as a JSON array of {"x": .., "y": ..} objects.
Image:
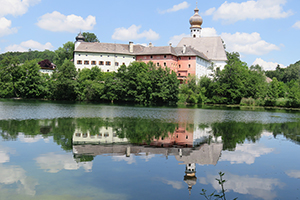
[{"x": 264, "y": 32}]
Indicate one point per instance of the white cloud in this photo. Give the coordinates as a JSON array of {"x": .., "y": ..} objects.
[
  {"x": 267, "y": 65},
  {"x": 263, "y": 188},
  {"x": 30, "y": 139},
  {"x": 293, "y": 173},
  {"x": 5, "y": 27},
  {"x": 4, "y": 154},
  {"x": 176, "y": 8},
  {"x": 16, "y": 7},
  {"x": 176, "y": 39},
  {"x": 130, "y": 160},
  {"x": 260, "y": 9},
  {"x": 175, "y": 184},
  {"x": 54, "y": 163},
  {"x": 209, "y": 12},
  {"x": 15, "y": 174},
  {"x": 30, "y": 44},
  {"x": 58, "y": 22},
  {"x": 247, "y": 43},
  {"x": 297, "y": 25},
  {"x": 209, "y": 32},
  {"x": 132, "y": 33},
  {"x": 245, "y": 153}
]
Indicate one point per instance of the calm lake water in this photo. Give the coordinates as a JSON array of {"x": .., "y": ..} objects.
[{"x": 71, "y": 151}]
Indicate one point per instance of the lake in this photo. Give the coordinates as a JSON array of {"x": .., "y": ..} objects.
[{"x": 70, "y": 151}]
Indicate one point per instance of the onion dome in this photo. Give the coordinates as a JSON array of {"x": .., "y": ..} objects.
[
  {"x": 196, "y": 20},
  {"x": 80, "y": 37}
]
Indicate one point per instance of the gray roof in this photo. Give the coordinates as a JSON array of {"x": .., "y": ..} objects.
[
  {"x": 169, "y": 50},
  {"x": 191, "y": 50},
  {"x": 96, "y": 47},
  {"x": 211, "y": 47}
]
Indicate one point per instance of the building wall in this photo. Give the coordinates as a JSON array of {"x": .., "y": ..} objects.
[
  {"x": 186, "y": 66},
  {"x": 169, "y": 61},
  {"x": 202, "y": 68},
  {"x": 107, "y": 62},
  {"x": 219, "y": 64}
]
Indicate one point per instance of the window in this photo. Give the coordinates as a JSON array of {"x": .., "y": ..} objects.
[
  {"x": 108, "y": 70},
  {"x": 189, "y": 58},
  {"x": 86, "y": 62},
  {"x": 165, "y": 56},
  {"x": 78, "y": 54},
  {"x": 165, "y": 64},
  {"x": 189, "y": 65},
  {"x": 123, "y": 64},
  {"x": 107, "y": 55},
  {"x": 78, "y": 134},
  {"x": 179, "y": 66},
  {"x": 100, "y": 55},
  {"x": 101, "y": 63},
  {"x": 84, "y": 135},
  {"x": 123, "y": 56},
  {"x": 189, "y": 73},
  {"x": 151, "y": 57},
  {"x": 178, "y": 74},
  {"x": 179, "y": 58},
  {"x": 106, "y": 134},
  {"x": 93, "y": 62},
  {"x": 133, "y": 57},
  {"x": 107, "y": 63},
  {"x": 186, "y": 137},
  {"x": 157, "y": 64},
  {"x": 86, "y": 55},
  {"x": 116, "y": 64},
  {"x": 79, "y": 62},
  {"x": 116, "y": 56}
]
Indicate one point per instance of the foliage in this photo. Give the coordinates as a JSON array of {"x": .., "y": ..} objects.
[
  {"x": 30, "y": 55},
  {"x": 63, "y": 84},
  {"x": 90, "y": 37},
  {"x": 217, "y": 195},
  {"x": 142, "y": 83},
  {"x": 63, "y": 53}
]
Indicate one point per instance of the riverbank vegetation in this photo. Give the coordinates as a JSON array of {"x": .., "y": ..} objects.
[{"x": 146, "y": 84}]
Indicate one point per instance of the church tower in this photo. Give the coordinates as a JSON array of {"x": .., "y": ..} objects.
[{"x": 196, "y": 22}]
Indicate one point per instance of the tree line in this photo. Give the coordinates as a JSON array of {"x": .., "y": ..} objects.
[
  {"x": 145, "y": 83},
  {"x": 239, "y": 84}
]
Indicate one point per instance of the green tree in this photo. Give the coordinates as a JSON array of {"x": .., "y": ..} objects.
[
  {"x": 64, "y": 84},
  {"x": 90, "y": 37},
  {"x": 62, "y": 53},
  {"x": 30, "y": 83},
  {"x": 10, "y": 72}
]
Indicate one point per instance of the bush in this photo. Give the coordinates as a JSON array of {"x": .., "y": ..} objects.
[{"x": 247, "y": 102}]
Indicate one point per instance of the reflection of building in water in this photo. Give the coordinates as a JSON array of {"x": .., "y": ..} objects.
[
  {"x": 106, "y": 135},
  {"x": 189, "y": 146}
]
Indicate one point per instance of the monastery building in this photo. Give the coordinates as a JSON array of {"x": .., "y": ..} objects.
[{"x": 192, "y": 56}]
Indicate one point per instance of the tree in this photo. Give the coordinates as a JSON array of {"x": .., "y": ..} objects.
[
  {"x": 64, "y": 84},
  {"x": 62, "y": 53},
  {"x": 10, "y": 72},
  {"x": 90, "y": 37},
  {"x": 30, "y": 83}
]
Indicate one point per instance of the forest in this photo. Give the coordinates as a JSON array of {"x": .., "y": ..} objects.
[{"x": 145, "y": 84}]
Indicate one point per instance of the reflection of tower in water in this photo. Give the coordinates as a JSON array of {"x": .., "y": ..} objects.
[{"x": 190, "y": 176}]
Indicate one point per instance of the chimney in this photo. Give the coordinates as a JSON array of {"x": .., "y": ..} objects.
[
  {"x": 150, "y": 44},
  {"x": 131, "y": 47},
  {"x": 184, "y": 49}
]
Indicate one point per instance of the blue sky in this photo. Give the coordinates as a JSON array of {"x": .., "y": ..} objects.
[{"x": 264, "y": 32}]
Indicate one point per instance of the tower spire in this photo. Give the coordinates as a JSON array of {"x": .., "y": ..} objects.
[{"x": 196, "y": 22}]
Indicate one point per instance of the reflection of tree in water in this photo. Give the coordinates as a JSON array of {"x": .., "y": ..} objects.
[
  {"x": 234, "y": 133},
  {"x": 138, "y": 130},
  {"x": 290, "y": 130}
]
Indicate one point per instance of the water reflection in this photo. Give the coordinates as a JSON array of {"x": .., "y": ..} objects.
[{"x": 193, "y": 146}]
